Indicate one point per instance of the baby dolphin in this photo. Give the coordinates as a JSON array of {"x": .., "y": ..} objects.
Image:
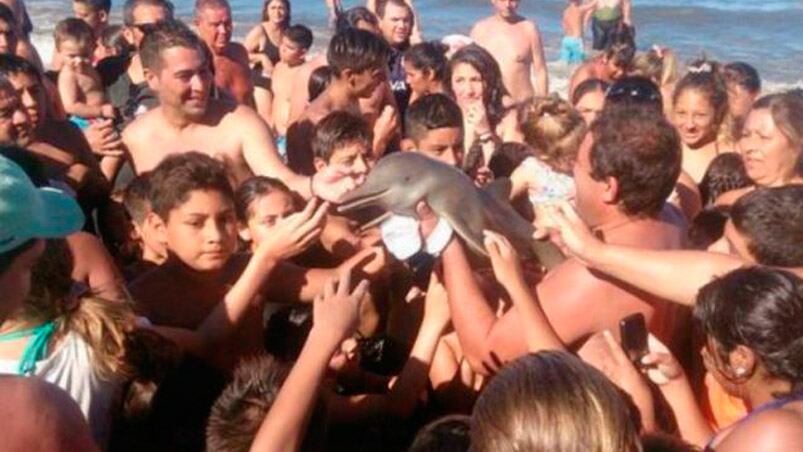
[{"x": 399, "y": 181}]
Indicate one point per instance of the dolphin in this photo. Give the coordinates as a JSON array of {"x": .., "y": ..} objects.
[{"x": 399, "y": 181}]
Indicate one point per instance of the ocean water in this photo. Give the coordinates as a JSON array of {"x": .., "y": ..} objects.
[{"x": 765, "y": 33}]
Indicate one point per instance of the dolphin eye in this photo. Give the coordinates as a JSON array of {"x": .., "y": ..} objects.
[{"x": 407, "y": 178}]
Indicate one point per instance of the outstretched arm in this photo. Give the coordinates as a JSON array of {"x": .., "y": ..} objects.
[{"x": 541, "y": 86}]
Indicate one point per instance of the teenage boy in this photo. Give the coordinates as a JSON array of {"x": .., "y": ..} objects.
[
  {"x": 434, "y": 127},
  {"x": 358, "y": 60}
]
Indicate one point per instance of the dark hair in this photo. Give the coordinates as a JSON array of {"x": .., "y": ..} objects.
[
  {"x": 12, "y": 65},
  {"x": 113, "y": 38},
  {"x": 286, "y": 3},
  {"x": 759, "y": 308},
  {"x": 7, "y": 16},
  {"x": 707, "y": 226},
  {"x": 635, "y": 90},
  {"x": 353, "y": 16},
  {"x": 447, "y": 434},
  {"x": 178, "y": 175},
  {"x": 553, "y": 401},
  {"x": 484, "y": 63},
  {"x": 725, "y": 173},
  {"x": 742, "y": 74},
  {"x": 253, "y": 188},
  {"x": 131, "y": 5},
  {"x": 240, "y": 409},
  {"x": 339, "y": 129},
  {"x": 638, "y": 147},
  {"x": 429, "y": 56},
  {"x": 705, "y": 78},
  {"x": 72, "y": 29},
  {"x": 135, "y": 197},
  {"x": 320, "y": 78},
  {"x": 357, "y": 50},
  {"x": 167, "y": 35},
  {"x": 588, "y": 86},
  {"x": 26, "y": 160},
  {"x": 433, "y": 111},
  {"x": 507, "y": 158},
  {"x": 299, "y": 34},
  {"x": 97, "y": 5},
  {"x": 622, "y": 48},
  {"x": 8, "y": 257},
  {"x": 772, "y": 221},
  {"x": 382, "y": 6}
]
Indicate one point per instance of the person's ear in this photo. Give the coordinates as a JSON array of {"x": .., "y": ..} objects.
[
  {"x": 128, "y": 34},
  {"x": 152, "y": 78},
  {"x": 158, "y": 225},
  {"x": 348, "y": 75},
  {"x": 610, "y": 193},
  {"x": 319, "y": 164},
  {"x": 742, "y": 362},
  {"x": 407, "y": 145},
  {"x": 103, "y": 16}
]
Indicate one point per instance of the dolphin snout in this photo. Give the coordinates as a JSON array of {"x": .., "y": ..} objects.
[{"x": 360, "y": 198}]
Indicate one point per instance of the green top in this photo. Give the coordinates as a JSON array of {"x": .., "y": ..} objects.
[
  {"x": 36, "y": 348},
  {"x": 608, "y": 13}
]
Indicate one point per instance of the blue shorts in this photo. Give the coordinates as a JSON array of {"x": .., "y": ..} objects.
[{"x": 571, "y": 50}]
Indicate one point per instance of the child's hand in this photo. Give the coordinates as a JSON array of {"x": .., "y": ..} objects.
[
  {"x": 295, "y": 233},
  {"x": 336, "y": 312},
  {"x": 477, "y": 118},
  {"x": 504, "y": 259},
  {"x": 108, "y": 111}
]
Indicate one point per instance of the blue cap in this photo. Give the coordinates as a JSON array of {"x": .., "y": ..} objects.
[{"x": 27, "y": 212}]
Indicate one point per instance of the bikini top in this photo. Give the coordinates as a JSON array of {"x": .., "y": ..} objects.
[
  {"x": 771, "y": 405},
  {"x": 271, "y": 50}
]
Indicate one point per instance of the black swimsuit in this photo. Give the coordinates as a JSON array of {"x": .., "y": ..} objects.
[{"x": 271, "y": 50}]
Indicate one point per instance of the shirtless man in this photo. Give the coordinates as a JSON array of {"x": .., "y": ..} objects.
[
  {"x": 516, "y": 44},
  {"x": 232, "y": 73},
  {"x": 296, "y": 40},
  {"x": 610, "y": 65},
  {"x": 188, "y": 119},
  {"x": 622, "y": 185}
]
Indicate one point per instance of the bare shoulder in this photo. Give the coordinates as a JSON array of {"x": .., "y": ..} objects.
[
  {"x": 141, "y": 124},
  {"x": 730, "y": 197},
  {"x": 771, "y": 430},
  {"x": 237, "y": 52},
  {"x": 480, "y": 27}
]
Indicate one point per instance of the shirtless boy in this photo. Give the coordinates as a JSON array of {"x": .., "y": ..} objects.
[
  {"x": 230, "y": 59},
  {"x": 516, "y": 44},
  {"x": 80, "y": 86},
  {"x": 574, "y": 18},
  {"x": 296, "y": 40}
]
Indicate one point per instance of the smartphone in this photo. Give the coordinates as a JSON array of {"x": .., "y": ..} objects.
[{"x": 633, "y": 330}]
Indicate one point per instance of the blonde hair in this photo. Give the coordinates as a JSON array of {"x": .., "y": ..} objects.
[
  {"x": 553, "y": 401},
  {"x": 103, "y": 324},
  {"x": 554, "y": 130}
]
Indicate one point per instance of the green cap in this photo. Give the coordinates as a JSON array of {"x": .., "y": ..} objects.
[{"x": 27, "y": 212}]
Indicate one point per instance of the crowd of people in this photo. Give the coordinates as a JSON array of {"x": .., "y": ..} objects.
[{"x": 180, "y": 269}]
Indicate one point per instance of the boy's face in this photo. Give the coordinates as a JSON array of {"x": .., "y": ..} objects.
[
  {"x": 32, "y": 95},
  {"x": 78, "y": 55},
  {"x": 363, "y": 84},
  {"x": 265, "y": 212},
  {"x": 291, "y": 53},
  {"x": 444, "y": 144},
  {"x": 202, "y": 232},
  {"x": 96, "y": 19},
  {"x": 354, "y": 159}
]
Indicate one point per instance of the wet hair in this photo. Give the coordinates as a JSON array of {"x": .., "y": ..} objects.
[
  {"x": 286, "y": 4},
  {"x": 758, "y": 308},
  {"x": 447, "y": 434},
  {"x": 252, "y": 189},
  {"x": 553, "y": 401},
  {"x": 357, "y": 50},
  {"x": 787, "y": 114},
  {"x": 72, "y": 29},
  {"x": 433, "y": 111},
  {"x": 725, "y": 173},
  {"x": 319, "y": 80},
  {"x": 339, "y": 129},
  {"x": 588, "y": 86},
  {"x": 7, "y": 16},
  {"x": 772, "y": 221},
  {"x": 97, "y": 5},
  {"x": 554, "y": 130},
  {"x": 178, "y": 175},
  {"x": 494, "y": 89},
  {"x": 112, "y": 37},
  {"x": 131, "y": 5},
  {"x": 382, "y": 6},
  {"x": 660, "y": 67},
  {"x": 167, "y": 35},
  {"x": 135, "y": 198},
  {"x": 429, "y": 56},
  {"x": 634, "y": 90},
  {"x": 704, "y": 77},
  {"x": 351, "y": 17},
  {"x": 242, "y": 406},
  {"x": 299, "y": 34},
  {"x": 638, "y": 147},
  {"x": 742, "y": 74}
]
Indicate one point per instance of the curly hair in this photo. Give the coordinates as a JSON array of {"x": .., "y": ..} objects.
[{"x": 554, "y": 130}]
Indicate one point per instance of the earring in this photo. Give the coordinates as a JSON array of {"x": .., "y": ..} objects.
[{"x": 741, "y": 372}]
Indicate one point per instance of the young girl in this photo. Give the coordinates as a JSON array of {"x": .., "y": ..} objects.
[{"x": 425, "y": 64}]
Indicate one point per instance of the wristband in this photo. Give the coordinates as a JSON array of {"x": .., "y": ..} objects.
[{"x": 439, "y": 238}]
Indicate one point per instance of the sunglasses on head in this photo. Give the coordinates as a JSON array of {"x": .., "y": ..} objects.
[{"x": 634, "y": 93}]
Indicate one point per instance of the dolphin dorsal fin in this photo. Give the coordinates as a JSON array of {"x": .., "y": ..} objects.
[{"x": 499, "y": 189}]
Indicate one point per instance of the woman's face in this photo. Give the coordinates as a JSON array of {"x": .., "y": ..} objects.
[
  {"x": 769, "y": 157},
  {"x": 277, "y": 12},
  {"x": 468, "y": 85},
  {"x": 590, "y": 105},
  {"x": 418, "y": 79},
  {"x": 695, "y": 118}
]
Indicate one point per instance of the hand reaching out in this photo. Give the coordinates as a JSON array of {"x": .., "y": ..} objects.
[
  {"x": 562, "y": 223},
  {"x": 295, "y": 233},
  {"x": 436, "y": 303},
  {"x": 336, "y": 312},
  {"x": 504, "y": 259}
]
